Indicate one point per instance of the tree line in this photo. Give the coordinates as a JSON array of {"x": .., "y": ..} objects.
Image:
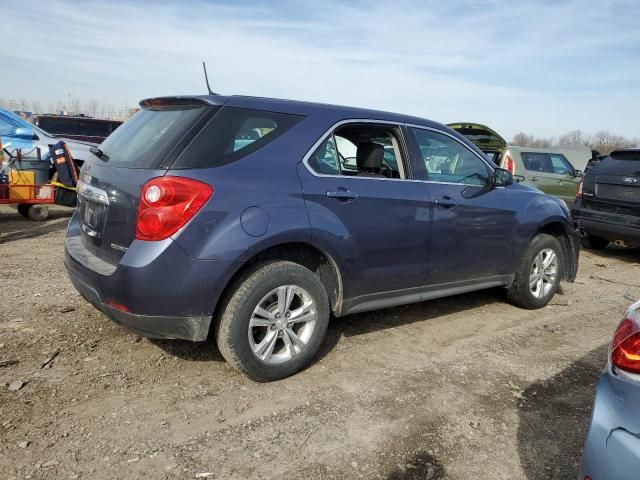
[
  {"x": 602, "y": 141},
  {"x": 72, "y": 106}
]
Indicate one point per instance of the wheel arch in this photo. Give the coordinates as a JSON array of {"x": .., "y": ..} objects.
[
  {"x": 563, "y": 231},
  {"x": 302, "y": 253}
]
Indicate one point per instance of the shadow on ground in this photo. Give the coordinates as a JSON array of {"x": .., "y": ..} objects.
[
  {"x": 378, "y": 320},
  {"x": 421, "y": 466},
  {"x": 617, "y": 252},
  {"x": 555, "y": 418},
  {"x": 14, "y": 227},
  {"x": 191, "y": 351},
  {"x": 352, "y": 325}
]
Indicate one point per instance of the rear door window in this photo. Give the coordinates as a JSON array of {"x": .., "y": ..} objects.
[
  {"x": 233, "y": 133},
  {"x": 547, "y": 163}
]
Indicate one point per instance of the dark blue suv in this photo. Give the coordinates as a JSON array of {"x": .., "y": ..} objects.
[{"x": 256, "y": 219}]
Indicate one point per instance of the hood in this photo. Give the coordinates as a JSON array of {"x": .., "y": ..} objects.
[{"x": 480, "y": 135}]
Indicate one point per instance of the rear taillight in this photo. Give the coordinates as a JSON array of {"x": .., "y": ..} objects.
[
  {"x": 167, "y": 204},
  {"x": 625, "y": 348},
  {"x": 580, "y": 185},
  {"x": 509, "y": 164}
]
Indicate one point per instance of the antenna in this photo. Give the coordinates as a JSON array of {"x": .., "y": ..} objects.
[{"x": 206, "y": 79}]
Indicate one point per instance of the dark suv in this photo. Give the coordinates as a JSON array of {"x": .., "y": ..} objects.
[
  {"x": 608, "y": 200},
  {"x": 256, "y": 219}
]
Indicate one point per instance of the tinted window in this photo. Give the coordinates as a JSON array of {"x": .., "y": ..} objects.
[
  {"x": 618, "y": 163},
  {"x": 233, "y": 133},
  {"x": 447, "y": 160},
  {"x": 147, "y": 137},
  {"x": 546, "y": 162}
]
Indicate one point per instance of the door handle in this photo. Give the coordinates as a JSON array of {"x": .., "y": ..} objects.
[
  {"x": 445, "y": 202},
  {"x": 343, "y": 195},
  {"x": 534, "y": 179}
]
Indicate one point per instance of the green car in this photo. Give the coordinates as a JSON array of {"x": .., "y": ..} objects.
[
  {"x": 545, "y": 169},
  {"x": 492, "y": 144},
  {"x": 548, "y": 170}
]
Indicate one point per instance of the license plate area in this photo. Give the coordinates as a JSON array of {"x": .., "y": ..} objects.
[
  {"x": 93, "y": 216},
  {"x": 618, "y": 192}
]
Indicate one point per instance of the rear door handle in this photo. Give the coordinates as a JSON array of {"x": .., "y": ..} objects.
[
  {"x": 445, "y": 202},
  {"x": 343, "y": 195}
]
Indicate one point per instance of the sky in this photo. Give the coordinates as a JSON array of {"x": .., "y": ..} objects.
[{"x": 543, "y": 67}]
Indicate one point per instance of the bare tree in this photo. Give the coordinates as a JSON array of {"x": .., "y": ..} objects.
[
  {"x": 35, "y": 106},
  {"x": 93, "y": 107},
  {"x": 574, "y": 137},
  {"x": 75, "y": 106},
  {"x": 522, "y": 140}
]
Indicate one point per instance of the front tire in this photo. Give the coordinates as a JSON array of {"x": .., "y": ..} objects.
[
  {"x": 538, "y": 275},
  {"x": 274, "y": 321}
]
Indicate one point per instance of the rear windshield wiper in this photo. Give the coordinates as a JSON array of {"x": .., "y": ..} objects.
[{"x": 99, "y": 153}]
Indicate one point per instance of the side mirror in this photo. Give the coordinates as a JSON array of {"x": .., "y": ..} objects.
[
  {"x": 578, "y": 173},
  {"x": 23, "y": 133},
  {"x": 502, "y": 178}
]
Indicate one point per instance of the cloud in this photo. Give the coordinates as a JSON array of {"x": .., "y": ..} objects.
[{"x": 542, "y": 67}]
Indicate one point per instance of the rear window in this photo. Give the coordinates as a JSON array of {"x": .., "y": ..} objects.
[
  {"x": 233, "y": 133},
  {"x": 547, "y": 163},
  {"x": 145, "y": 140},
  {"x": 618, "y": 163}
]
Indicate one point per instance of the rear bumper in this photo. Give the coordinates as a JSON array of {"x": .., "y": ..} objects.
[
  {"x": 164, "y": 292},
  {"x": 606, "y": 225},
  {"x": 610, "y": 231},
  {"x": 611, "y": 451},
  {"x": 194, "y": 328}
]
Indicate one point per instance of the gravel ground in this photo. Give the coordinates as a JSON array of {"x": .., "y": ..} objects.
[{"x": 463, "y": 387}]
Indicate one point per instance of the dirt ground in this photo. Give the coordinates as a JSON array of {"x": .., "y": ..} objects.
[{"x": 466, "y": 387}]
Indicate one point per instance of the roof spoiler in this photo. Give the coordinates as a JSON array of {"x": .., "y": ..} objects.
[{"x": 172, "y": 102}]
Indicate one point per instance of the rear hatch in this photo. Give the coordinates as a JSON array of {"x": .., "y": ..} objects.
[
  {"x": 483, "y": 137},
  {"x": 613, "y": 185},
  {"x": 142, "y": 148}
]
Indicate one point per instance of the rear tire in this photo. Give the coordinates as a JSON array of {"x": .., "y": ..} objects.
[
  {"x": 274, "y": 321},
  {"x": 538, "y": 275},
  {"x": 593, "y": 242},
  {"x": 38, "y": 212}
]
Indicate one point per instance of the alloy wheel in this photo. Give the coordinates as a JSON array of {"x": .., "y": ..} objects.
[
  {"x": 543, "y": 273},
  {"x": 282, "y": 324}
]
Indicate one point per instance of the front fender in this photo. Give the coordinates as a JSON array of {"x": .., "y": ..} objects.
[{"x": 545, "y": 214}]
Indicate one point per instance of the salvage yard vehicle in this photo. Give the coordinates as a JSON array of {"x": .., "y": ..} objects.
[
  {"x": 487, "y": 140},
  {"x": 612, "y": 447},
  {"x": 181, "y": 231},
  {"x": 19, "y": 133},
  {"x": 607, "y": 203},
  {"x": 77, "y": 127},
  {"x": 545, "y": 169}
]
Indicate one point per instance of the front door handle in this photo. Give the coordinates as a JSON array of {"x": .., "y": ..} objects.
[
  {"x": 446, "y": 202},
  {"x": 534, "y": 179},
  {"x": 343, "y": 195}
]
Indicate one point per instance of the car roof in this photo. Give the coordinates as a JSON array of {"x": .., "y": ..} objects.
[{"x": 296, "y": 107}]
